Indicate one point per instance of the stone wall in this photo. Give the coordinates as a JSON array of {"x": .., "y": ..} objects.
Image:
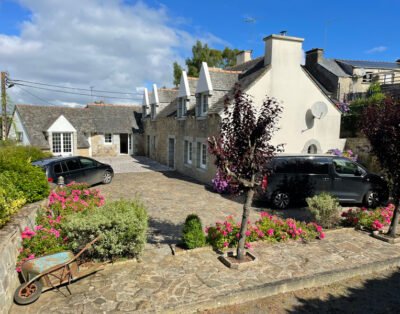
[
  {"x": 99, "y": 149},
  {"x": 192, "y": 129},
  {"x": 10, "y": 242}
]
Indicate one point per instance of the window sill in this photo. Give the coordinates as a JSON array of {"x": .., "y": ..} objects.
[
  {"x": 201, "y": 117},
  {"x": 201, "y": 169},
  {"x": 181, "y": 118},
  {"x": 188, "y": 165}
]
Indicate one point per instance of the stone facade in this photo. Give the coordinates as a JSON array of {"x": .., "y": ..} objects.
[
  {"x": 10, "y": 242},
  {"x": 100, "y": 149},
  {"x": 191, "y": 129}
]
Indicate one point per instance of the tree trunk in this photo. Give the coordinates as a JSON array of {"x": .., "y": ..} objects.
[
  {"x": 395, "y": 220},
  {"x": 243, "y": 228}
]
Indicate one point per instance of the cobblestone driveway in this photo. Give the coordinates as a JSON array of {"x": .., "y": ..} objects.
[
  {"x": 170, "y": 197},
  {"x": 128, "y": 164}
]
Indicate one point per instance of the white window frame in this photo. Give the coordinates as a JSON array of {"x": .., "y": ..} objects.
[
  {"x": 105, "y": 139},
  {"x": 188, "y": 152},
  {"x": 200, "y": 151},
  {"x": 19, "y": 136},
  {"x": 204, "y": 104},
  {"x": 153, "y": 111},
  {"x": 62, "y": 150},
  {"x": 144, "y": 112},
  {"x": 182, "y": 107}
]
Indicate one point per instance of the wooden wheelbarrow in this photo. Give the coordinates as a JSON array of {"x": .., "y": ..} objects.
[{"x": 51, "y": 271}]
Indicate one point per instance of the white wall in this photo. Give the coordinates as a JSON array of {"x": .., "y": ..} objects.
[
  {"x": 287, "y": 81},
  {"x": 16, "y": 126}
]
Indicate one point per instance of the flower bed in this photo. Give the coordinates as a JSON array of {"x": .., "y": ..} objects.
[
  {"x": 61, "y": 225},
  {"x": 268, "y": 228},
  {"x": 374, "y": 220}
]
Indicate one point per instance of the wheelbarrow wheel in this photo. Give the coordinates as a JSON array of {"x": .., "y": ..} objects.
[{"x": 28, "y": 294}]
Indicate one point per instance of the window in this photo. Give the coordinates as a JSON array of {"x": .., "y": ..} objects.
[
  {"x": 201, "y": 155},
  {"x": 181, "y": 107},
  {"x": 73, "y": 164},
  {"x": 312, "y": 149},
  {"x": 144, "y": 111},
  {"x": 202, "y": 104},
  {"x": 343, "y": 166},
  {"x": 62, "y": 143},
  {"x": 367, "y": 78},
  {"x": 154, "y": 144},
  {"x": 19, "y": 137},
  {"x": 108, "y": 138},
  {"x": 153, "y": 111},
  {"x": 301, "y": 165},
  {"x": 58, "y": 169},
  {"x": 87, "y": 163},
  {"x": 388, "y": 78},
  {"x": 188, "y": 152}
]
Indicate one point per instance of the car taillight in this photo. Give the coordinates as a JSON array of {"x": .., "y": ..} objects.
[{"x": 50, "y": 179}]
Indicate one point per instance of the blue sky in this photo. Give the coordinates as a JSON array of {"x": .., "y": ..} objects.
[{"x": 45, "y": 40}]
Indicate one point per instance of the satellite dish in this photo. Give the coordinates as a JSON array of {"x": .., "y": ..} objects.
[{"x": 319, "y": 110}]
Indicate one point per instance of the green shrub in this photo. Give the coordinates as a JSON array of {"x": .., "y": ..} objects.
[
  {"x": 122, "y": 225},
  {"x": 10, "y": 200},
  {"x": 326, "y": 209},
  {"x": 21, "y": 152},
  {"x": 192, "y": 232}
]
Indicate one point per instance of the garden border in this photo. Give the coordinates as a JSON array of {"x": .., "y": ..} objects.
[{"x": 10, "y": 242}]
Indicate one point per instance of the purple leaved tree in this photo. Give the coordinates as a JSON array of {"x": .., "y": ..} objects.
[
  {"x": 381, "y": 125},
  {"x": 243, "y": 149}
]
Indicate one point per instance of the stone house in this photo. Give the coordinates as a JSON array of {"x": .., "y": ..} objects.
[
  {"x": 346, "y": 80},
  {"x": 94, "y": 130},
  {"x": 181, "y": 120}
]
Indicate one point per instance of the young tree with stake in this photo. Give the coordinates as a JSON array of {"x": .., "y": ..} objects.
[{"x": 243, "y": 150}]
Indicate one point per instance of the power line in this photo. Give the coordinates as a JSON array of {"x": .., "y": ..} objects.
[
  {"x": 74, "y": 88},
  {"x": 72, "y": 93},
  {"x": 37, "y": 97}
]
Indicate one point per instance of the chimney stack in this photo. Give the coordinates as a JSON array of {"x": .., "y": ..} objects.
[
  {"x": 283, "y": 50},
  {"x": 243, "y": 56},
  {"x": 314, "y": 56}
]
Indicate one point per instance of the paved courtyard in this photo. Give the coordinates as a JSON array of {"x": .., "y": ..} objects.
[
  {"x": 128, "y": 164},
  {"x": 161, "y": 282}
]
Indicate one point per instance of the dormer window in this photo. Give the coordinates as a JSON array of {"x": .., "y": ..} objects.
[
  {"x": 181, "y": 107},
  {"x": 144, "y": 111},
  {"x": 202, "y": 104},
  {"x": 153, "y": 111}
]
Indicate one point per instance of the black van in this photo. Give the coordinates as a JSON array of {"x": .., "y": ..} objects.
[
  {"x": 296, "y": 177},
  {"x": 76, "y": 169}
]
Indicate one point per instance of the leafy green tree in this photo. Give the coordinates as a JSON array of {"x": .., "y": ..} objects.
[
  {"x": 203, "y": 53},
  {"x": 177, "y": 73}
]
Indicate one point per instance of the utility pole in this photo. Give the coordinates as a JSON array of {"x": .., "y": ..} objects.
[{"x": 4, "y": 105}]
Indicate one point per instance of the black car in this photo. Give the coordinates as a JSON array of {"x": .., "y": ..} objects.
[
  {"x": 76, "y": 169},
  {"x": 296, "y": 177}
]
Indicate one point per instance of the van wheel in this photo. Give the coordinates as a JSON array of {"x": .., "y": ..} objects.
[
  {"x": 107, "y": 177},
  {"x": 371, "y": 199},
  {"x": 280, "y": 200}
]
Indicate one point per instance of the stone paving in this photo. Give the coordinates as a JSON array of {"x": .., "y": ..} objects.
[
  {"x": 164, "y": 283},
  {"x": 128, "y": 164},
  {"x": 161, "y": 282}
]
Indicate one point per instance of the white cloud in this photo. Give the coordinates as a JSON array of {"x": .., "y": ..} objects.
[
  {"x": 101, "y": 43},
  {"x": 377, "y": 49}
]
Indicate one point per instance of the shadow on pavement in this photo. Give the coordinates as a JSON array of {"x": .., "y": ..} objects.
[
  {"x": 376, "y": 296},
  {"x": 163, "y": 232}
]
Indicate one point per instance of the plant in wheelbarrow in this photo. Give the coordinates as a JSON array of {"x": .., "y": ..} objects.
[{"x": 243, "y": 150}]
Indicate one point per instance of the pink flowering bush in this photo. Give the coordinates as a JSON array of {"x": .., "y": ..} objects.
[
  {"x": 268, "y": 228},
  {"x": 48, "y": 236},
  {"x": 40, "y": 241},
  {"x": 75, "y": 197},
  {"x": 375, "y": 219}
]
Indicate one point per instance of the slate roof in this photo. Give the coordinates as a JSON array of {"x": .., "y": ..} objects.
[
  {"x": 370, "y": 64},
  {"x": 246, "y": 65},
  {"x": 223, "y": 80},
  {"x": 166, "y": 95},
  {"x": 332, "y": 66},
  {"x": 91, "y": 118}
]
